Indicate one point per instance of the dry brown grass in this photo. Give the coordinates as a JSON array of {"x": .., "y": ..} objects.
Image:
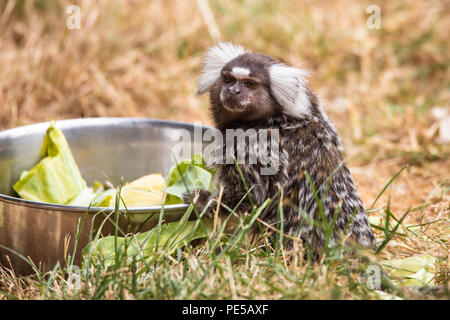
[{"x": 141, "y": 58}]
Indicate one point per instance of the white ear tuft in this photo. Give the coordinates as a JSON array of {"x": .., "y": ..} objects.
[
  {"x": 288, "y": 86},
  {"x": 216, "y": 58}
]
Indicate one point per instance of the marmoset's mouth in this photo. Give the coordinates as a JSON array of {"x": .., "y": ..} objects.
[
  {"x": 232, "y": 107},
  {"x": 230, "y": 103}
]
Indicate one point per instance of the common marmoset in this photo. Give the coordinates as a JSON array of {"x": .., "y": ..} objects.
[{"x": 254, "y": 91}]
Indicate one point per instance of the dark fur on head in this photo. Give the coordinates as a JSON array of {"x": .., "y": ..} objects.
[
  {"x": 245, "y": 97},
  {"x": 254, "y": 91}
]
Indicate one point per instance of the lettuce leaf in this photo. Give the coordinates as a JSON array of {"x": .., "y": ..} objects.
[
  {"x": 56, "y": 178},
  {"x": 141, "y": 246},
  {"x": 416, "y": 270},
  {"x": 105, "y": 199},
  {"x": 84, "y": 198},
  {"x": 195, "y": 174}
]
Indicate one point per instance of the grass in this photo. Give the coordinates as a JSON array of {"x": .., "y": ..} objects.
[
  {"x": 142, "y": 58},
  {"x": 227, "y": 266}
]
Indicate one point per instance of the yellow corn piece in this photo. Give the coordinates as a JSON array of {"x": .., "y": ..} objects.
[
  {"x": 151, "y": 182},
  {"x": 140, "y": 198},
  {"x": 145, "y": 191}
]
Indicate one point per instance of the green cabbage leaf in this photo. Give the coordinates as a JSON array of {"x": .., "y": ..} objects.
[{"x": 56, "y": 178}]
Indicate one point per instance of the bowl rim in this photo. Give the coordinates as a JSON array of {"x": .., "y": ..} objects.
[{"x": 70, "y": 123}]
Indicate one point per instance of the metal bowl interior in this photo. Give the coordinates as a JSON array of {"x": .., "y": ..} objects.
[{"x": 104, "y": 149}]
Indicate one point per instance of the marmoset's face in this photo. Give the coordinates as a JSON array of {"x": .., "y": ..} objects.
[
  {"x": 239, "y": 89},
  {"x": 243, "y": 90}
]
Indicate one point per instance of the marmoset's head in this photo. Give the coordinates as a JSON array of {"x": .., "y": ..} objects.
[{"x": 247, "y": 86}]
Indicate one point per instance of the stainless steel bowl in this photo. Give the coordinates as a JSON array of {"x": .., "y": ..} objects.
[{"x": 103, "y": 148}]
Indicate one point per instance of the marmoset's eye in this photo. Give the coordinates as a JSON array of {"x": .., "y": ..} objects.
[
  {"x": 250, "y": 84},
  {"x": 227, "y": 78}
]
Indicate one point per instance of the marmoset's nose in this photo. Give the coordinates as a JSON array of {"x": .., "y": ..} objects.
[{"x": 235, "y": 89}]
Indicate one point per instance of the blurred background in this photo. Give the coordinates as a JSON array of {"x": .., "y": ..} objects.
[{"x": 387, "y": 90}]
